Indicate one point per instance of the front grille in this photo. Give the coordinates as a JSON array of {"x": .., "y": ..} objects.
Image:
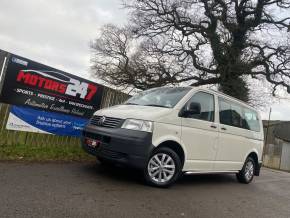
[{"x": 109, "y": 122}]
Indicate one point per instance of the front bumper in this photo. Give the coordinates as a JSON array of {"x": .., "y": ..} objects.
[{"x": 119, "y": 145}]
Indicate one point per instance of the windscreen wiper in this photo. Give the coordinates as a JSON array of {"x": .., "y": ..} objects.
[
  {"x": 156, "y": 105},
  {"x": 129, "y": 103}
]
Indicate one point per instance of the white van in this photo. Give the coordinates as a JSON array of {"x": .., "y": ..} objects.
[{"x": 169, "y": 130}]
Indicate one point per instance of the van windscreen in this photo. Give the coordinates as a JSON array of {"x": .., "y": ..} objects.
[{"x": 159, "y": 97}]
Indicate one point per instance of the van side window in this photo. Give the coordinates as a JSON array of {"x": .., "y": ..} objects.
[
  {"x": 237, "y": 115},
  {"x": 230, "y": 113},
  {"x": 225, "y": 112},
  {"x": 206, "y": 102},
  {"x": 251, "y": 120}
]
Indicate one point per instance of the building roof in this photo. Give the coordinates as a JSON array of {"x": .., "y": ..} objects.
[
  {"x": 282, "y": 130},
  {"x": 271, "y": 123}
]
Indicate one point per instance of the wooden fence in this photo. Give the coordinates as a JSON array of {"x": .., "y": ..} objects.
[{"x": 11, "y": 137}]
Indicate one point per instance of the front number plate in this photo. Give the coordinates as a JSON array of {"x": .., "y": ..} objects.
[{"x": 93, "y": 143}]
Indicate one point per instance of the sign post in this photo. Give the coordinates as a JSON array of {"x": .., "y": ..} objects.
[
  {"x": 2, "y": 69},
  {"x": 3, "y": 60}
]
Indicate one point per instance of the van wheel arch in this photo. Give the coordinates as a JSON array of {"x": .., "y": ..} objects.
[
  {"x": 175, "y": 146},
  {"x": 254, "y": 156}
]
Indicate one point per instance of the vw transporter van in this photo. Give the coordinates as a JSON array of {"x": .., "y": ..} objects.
[{"x": 169, "y": 130}]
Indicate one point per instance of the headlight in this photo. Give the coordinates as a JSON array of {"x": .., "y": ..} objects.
[{"x": 141, "y": 125}]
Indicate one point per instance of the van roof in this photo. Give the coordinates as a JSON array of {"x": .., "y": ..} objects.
[
  {"x": 216, "y": 92},
  {"x": 225, "y": 95}
]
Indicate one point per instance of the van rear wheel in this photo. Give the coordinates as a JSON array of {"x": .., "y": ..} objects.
[
  {"x": 246, "y": 175},
  {"x": 163, "y": 168}
]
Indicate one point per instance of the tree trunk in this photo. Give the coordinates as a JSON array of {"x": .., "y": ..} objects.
[{"x": 234, "y": 86}]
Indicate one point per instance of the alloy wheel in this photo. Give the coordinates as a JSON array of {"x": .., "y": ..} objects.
[{"x": 161, "y": 168}]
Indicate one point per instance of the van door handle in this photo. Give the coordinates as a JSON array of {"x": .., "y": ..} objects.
[
  {"x": 224, "y": 128},
  {"x": 213, "y": 126}
]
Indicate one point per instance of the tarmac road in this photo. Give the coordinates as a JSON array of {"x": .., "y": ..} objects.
[{"x": 92, "y": 190}]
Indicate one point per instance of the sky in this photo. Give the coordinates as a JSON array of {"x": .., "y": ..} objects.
[{"x": 58, "y": 32}]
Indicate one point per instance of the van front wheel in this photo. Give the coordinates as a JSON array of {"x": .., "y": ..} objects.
[
  {"x": 163, "y": 168},
  {"x": 246, "y": 175}
]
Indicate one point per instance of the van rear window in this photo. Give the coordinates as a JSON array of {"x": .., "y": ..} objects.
[
  {"x": 251, "y": 120},
  {"x": 236, "y": 115}
]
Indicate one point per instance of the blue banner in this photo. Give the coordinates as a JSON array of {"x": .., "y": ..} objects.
[{"x": 31, "y": 120}]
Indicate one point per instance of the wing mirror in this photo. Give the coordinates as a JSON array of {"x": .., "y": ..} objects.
[{"x": 192, "y": 109}]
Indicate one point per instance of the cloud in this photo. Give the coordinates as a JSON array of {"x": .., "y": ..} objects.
[
  {"x": 280, "y": 111},
  {"x": 56, "y": 33}
]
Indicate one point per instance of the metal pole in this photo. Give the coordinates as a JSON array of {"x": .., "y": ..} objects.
[
  {"x": 2, "y": 69},
  {"x": 1, "y": 75},
  {"x": 267, "y": 132}
]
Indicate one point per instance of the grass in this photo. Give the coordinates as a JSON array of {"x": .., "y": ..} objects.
[{"x": 44, "y": 153}]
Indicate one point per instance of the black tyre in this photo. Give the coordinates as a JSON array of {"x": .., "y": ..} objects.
[
  {"x": 246, "y": 174},
  {"x": 163, "y": 168}
]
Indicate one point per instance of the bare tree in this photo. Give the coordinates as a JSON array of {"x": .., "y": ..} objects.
[
  {"x": 222, "y": 42},
  {"x": 124, "y": 61}
]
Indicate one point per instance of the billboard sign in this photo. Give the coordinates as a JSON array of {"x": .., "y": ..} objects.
[
  {"x": 32, "y": 120},
  {"x": 28, "y": 83}
]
